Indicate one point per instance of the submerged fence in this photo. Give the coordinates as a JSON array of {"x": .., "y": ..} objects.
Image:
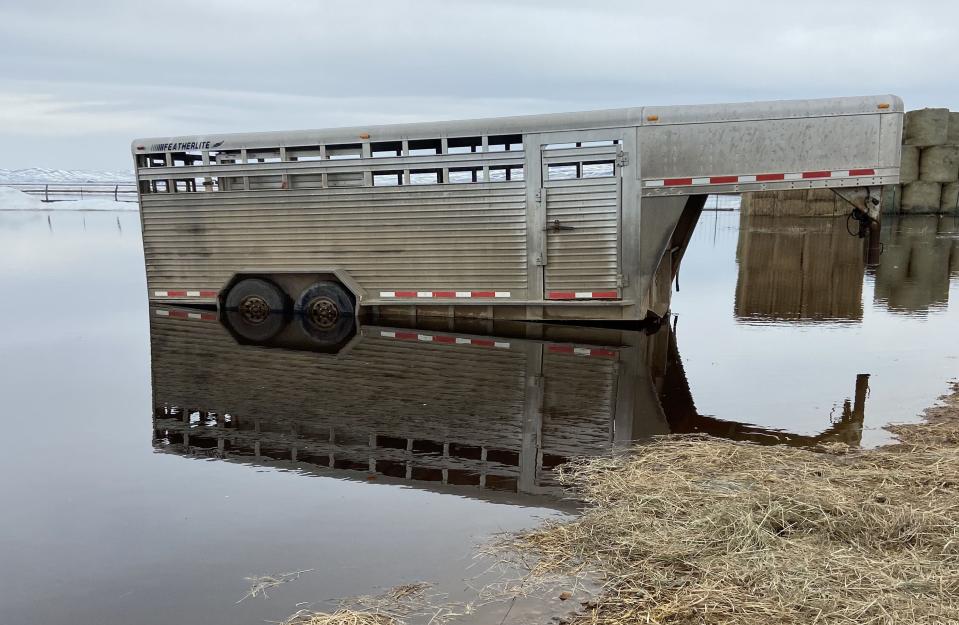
[{"x": 73, "y": 191}]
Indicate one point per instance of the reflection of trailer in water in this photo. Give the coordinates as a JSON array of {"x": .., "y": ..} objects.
[
  {"x": 565, "y": 216},
  {"x": 452, "y": 407},
  {"x": 455, "y": 405}
]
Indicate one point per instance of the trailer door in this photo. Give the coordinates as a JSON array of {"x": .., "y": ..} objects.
[{"x": 580, "y": 212}]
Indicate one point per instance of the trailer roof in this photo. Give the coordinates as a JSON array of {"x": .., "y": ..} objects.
[{"x": 610, "y": 118}]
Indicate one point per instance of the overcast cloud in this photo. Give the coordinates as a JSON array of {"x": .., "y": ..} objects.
[{"x": 79, "y": 80}]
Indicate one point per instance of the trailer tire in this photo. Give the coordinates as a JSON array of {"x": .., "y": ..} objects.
[
  {"x": 256, "y": 309},
  {"x": 324, "y": 297},
  {"x": 325, "y": 311},
  {"x": 260, "y": 332}
]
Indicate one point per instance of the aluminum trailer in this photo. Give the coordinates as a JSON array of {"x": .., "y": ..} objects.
[{"x": 581, "y": 216}]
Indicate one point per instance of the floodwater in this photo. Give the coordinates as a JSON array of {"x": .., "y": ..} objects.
[{"x": 153, "y": 461}]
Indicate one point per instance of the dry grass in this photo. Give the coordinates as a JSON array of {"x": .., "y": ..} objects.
[
  {"x": 396, "y": 606},
  {"x": 259, "y": 584},
  {"x": 702, "y": 530}
]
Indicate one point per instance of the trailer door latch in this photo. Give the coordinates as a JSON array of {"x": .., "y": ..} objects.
[{"x": 556, "y": 226}]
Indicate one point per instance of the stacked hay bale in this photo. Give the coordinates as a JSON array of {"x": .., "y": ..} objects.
[{"x": 930, "y": 162}]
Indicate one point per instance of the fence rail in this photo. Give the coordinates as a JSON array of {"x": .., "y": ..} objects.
[{"x": 73, "y": 191}]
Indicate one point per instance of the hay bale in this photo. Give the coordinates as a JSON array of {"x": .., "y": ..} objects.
[
  {"x": 921, "y": 197},
  {"x": 909, "y": 165},
  {"x": 952, "y": 135},
  {"x": 949, "y": 202},
  {"x": 926, "y": 127},
  {"x": 891, "y": 199},
  {"x": 939, "y": 164}
]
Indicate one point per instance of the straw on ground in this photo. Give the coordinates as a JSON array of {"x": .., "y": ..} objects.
[
  {"x": 396, "y": 606},
  {"x": 703, "y": 530},
  {"x": 259, "y": 584}
]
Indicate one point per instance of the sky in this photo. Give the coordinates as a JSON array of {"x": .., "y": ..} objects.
[{"x": 80, "y": 80}]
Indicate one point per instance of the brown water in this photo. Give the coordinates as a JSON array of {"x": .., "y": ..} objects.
[{"x": 153, "y": 461}]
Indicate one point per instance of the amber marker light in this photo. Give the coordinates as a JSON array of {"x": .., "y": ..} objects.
[
  {"x": 884, "y": 105},
  {"x": 652, "y": 118}
]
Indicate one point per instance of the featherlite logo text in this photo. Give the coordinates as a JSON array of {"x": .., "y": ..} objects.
[{"x": 184, "y": 145}]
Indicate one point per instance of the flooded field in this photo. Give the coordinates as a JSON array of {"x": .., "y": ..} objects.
[{"x": 155, "y": 461}]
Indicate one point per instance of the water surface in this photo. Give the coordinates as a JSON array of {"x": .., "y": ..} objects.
[{"x": 154, "y": 461}]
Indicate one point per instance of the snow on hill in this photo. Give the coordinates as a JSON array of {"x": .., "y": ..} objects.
[{"x": 45, "y": 175}]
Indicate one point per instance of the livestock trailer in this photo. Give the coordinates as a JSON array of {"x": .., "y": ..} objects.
[{"x": 581, "y": 216}]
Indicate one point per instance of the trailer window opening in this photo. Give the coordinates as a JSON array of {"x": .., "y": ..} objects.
[
  {"x": 263, "y": 156},
  {"x": 598, "y": 169},
  {"x": 507, "y": 173},
  {"x": 304, "y": 153},
  {"x": 346, "y": 179},
  {"x": 426, "y": 176},
  {"x": 562, "y": 171},
  {"x": 386, "y": 149},
  {"x": 306, "y": 181},
  {"x": 506, "y": 143},
  {"x": 425, "y": 147},
  {"x": 387, "y": 179},
  {"x": 228, "y": 157},
  {"x": 186, "y": 159},
  {"x": 344, "y": 151},
  {"x": 464, "y": 145},
  {"x": 465, "y": 174}
]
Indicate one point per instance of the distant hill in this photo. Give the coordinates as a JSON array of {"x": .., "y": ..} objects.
[{"x": 45, "y": 175}]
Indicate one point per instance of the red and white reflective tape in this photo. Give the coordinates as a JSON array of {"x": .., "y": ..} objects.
[
  {"x": 582, "y": 295},
  {"x": 183, "y": 314},
  {"x": 442, "y": 339},
  {"x": 805, "y": 175},
  {"x": 184, "y": 293},
  {"x": 595, "y": 352},
  {"x": 445, "y": 294}
]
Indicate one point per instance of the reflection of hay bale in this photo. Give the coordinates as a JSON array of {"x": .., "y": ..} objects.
[
  {"x": 926, "y": 127},
  {"x": 798, "y": 269},
  {"x": 822, "y": 202},
  {"x": 921, "y": 197},
  {"x": 939, "y": 164},
  {"x": 793, "y": 203},
  {"x": 913, "y": 275},
  {"x": 909, "y": 166}
]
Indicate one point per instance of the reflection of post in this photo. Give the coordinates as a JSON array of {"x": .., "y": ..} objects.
[
  {"x": 529, "y": 457},
  {"x": 862, "y": 389},
  {"x": 873, "y": 243},
  {"x": 849, "y": 428}
]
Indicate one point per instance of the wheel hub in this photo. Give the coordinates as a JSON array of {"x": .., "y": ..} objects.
[
  {"x": 254, "y": 309},
  {"x": 323, "y": 312}
]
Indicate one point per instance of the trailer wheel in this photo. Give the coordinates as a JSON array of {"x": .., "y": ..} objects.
[
  {"x": 325, "y": 311},
  {"x": 256, "y": 309}
]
